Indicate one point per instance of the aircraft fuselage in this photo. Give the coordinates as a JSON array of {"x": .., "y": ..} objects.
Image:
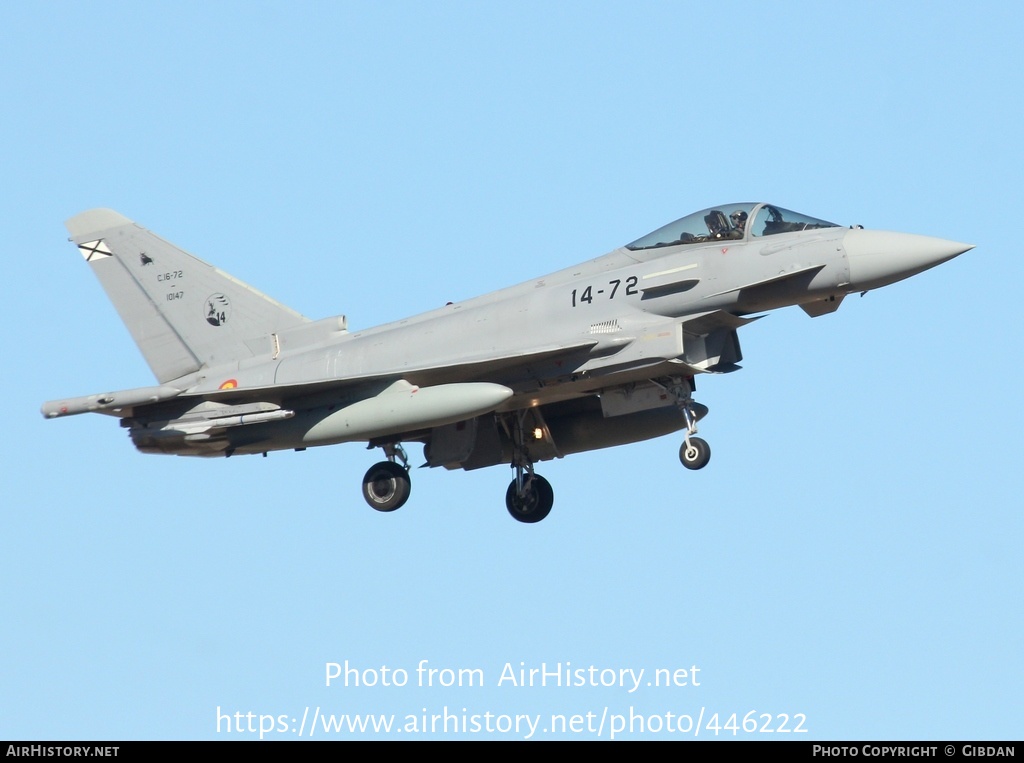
[{"x": 598, "y": 354}]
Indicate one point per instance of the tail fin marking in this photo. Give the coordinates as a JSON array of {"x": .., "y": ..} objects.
[{"x": 183, "y": 313}]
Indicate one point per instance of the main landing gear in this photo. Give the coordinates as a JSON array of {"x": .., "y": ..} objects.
[
  {"x": 529, "y": 496},
  {"x": 386, "y": 485}
]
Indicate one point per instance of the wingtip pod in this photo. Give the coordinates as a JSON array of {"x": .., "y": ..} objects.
[{"x": 94, "y": 221}]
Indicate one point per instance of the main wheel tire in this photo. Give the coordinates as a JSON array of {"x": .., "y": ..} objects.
[
  {"x": 697, "y": 455},
  {"x": 386, "y": 486},
  {"x": 534, "y": 504}
]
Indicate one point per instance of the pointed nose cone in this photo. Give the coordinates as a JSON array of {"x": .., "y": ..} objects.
[{"x": 877, "y": 257}]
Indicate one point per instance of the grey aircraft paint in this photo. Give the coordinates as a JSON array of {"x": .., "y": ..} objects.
[{"x": 593, "y": 356}]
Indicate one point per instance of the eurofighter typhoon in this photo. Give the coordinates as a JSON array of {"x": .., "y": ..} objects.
[{"x": 600, "y": 354}]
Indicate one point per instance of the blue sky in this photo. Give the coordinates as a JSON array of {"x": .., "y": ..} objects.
[{"x": 852, "y": 552}]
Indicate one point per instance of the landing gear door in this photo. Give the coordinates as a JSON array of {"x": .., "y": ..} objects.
[
  {"x": 631, "y": 398},
  {"x": 717, "y": 351},
  {"x": 452, "y": 444}
]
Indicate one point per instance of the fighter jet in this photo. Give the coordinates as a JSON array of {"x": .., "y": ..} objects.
[{"x": 597, "y": 355}]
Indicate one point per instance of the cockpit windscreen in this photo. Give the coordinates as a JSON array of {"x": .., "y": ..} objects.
[
  {"x": 714, "y": 224},
  {"x": 729, "y": 222},
  {"x": 770, "y": 220}
]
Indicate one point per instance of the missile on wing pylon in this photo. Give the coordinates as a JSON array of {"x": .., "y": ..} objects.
[{"x": 256, "y": 427}]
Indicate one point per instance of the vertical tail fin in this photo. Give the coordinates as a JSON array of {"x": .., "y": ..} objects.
[{"x": 183, "y": 313}]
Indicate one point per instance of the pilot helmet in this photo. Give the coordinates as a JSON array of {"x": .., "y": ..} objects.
[{"x": 739, "y": 217}]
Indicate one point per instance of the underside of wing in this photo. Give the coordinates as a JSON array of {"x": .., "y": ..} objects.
[{"x": 125, "y": 403}]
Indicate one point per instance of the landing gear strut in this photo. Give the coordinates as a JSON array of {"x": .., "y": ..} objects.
[
  {"x": 386, "y": 485},
  {"x": 694, "y": 453},
  {"x": 529, "y": 496}
]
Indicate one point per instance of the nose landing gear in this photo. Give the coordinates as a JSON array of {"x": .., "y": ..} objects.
[{"x": 694, "y": 453}]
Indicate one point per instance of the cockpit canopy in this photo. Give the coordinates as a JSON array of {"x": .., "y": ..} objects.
[{"x": 728, "y": 222}]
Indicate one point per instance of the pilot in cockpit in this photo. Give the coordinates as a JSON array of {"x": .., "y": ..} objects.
[
  {"x": 719, "y": 227},
  {"x": 739, "y": 221}
]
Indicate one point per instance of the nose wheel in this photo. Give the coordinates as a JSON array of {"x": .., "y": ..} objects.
[{"x": 694, "y": 453}]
